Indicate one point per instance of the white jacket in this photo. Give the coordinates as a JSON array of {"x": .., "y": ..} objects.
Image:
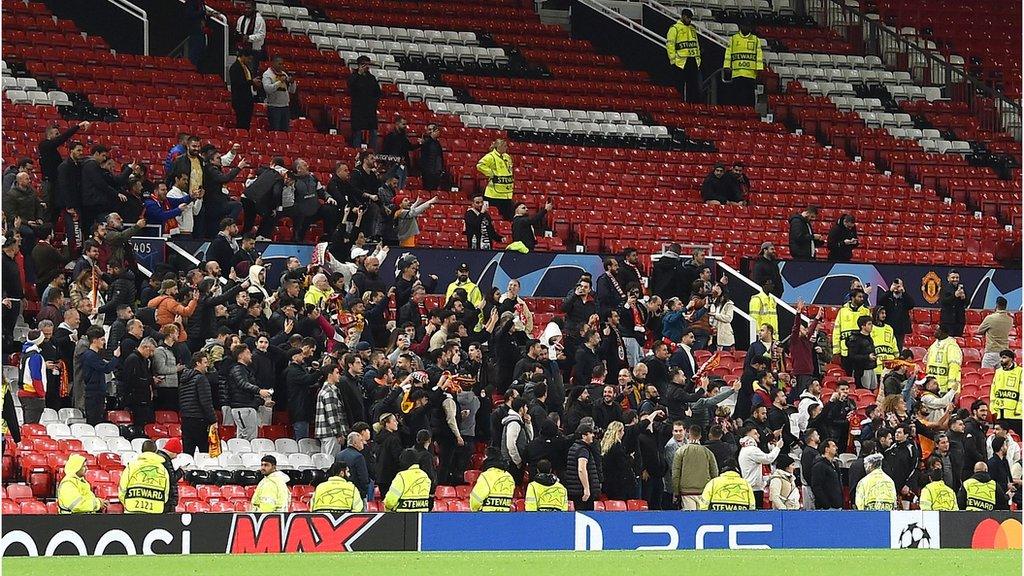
[
  {"x": 751, "y": 458},
  {"x": 721, "y": 321},
  {"x": 783, "y": 491}
]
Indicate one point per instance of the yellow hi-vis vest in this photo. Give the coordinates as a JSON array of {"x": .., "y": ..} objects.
[
  {"x": 498, "y": 168},
  {"x": 876, "y": 491},
  {"x": 74, "y": 495},
  {"x": 943, "y": 361},
  {"x": 981, "y": 496},
  {"x": 272, "y": 494},
  {"x": 336, "y": 494},
  {"x": 1004, "y": 398},
  {"x": 409, "y": 492},
  {"x": 743, "y": 55},
  {"x": 145, "y": 485},
  {"x": 728, "y": 491},
  {"x": 541, "y": 498},
  {"x": 886, "y": 347},
  {"x": 492, "y": 492},
  {"x": 762, "y": 311},
  {"x": 682, "y": 43},
  {"x": 937, "y": 496},
  {"x": 846, "y": 324}
]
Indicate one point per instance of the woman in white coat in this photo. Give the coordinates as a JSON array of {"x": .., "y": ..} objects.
[{"x": 722, "y": 310}]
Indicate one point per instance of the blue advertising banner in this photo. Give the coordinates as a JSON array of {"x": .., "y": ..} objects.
[
  {"x": 654, "y": 530},
  {"x": 149, "y": 251},
  {"x": 828, "y": 282},
  {"x": 542, "y": 274},
  {"x": 444, "y": 531}
]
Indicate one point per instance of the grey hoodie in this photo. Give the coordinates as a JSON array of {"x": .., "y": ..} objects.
[{"x": 514, "y": 438}]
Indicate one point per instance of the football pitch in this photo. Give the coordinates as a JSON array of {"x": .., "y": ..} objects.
[{"x": 701, "y": 562}]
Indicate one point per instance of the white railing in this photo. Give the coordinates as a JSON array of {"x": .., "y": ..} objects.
[
  {"x": 622, "y": 20},
  {"x": 139, "y": 13},
  {"x": 674, "y": 15}
]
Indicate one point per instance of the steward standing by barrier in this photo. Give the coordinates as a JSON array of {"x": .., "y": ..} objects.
[
  {"x": 743, "y": 58},
  {"x": 145, "y": 485},
  {"x": 728, "y": 491},
  {"x": 980, "y": 493},
  {"x": 683, "y": 49},
  {"x": 545, "y": 493},
  {"x": 936, "y": 495},
  {"x": 337, "y": 494},
  {"x": 875, "y": 491},
  {"x": 494, "y": 487},
  {"x": 272, "y": 493},
  {"x": 410, "y": 490}
]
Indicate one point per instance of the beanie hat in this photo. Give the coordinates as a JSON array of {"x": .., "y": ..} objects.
[{"x": 173, "y": 446}]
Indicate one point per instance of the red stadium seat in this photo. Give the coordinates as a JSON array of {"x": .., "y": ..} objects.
[
  {"x": 34, "y": 507},
  {"x": 614, "y": 506},
  {"x": 445, "y": 493},
  {"x": 18, "y": 492}
]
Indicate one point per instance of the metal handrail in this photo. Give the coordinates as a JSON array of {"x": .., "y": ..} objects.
[
  {"x": 640, "y": 29},
  {"x": 139, "y": 13},
  {"x": 924, "y": 65},
  {"x": 701, "y": 30},
  {"x": 221, "y": 19}
]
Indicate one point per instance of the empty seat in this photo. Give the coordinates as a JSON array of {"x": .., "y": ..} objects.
[
  {"x": 58, "y": 431},
  {"x": 262, "y": 445},
  {"x": 286, "y": 445},
  {"x": 239, "y": 445},
  {"x": 107, "y": 430}
]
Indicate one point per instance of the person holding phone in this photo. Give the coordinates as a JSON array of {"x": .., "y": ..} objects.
[{"x": 480, "y": 232}]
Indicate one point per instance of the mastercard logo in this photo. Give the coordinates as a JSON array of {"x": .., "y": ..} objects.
[{"x": 990, "y": 533}]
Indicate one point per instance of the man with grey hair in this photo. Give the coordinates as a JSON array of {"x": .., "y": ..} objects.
[
  {"x": 307, "y": 208},
  {"x": 352, "y": 456},
  {"x": 137, "y": 382},
  {"x": 876, "y": 491}
]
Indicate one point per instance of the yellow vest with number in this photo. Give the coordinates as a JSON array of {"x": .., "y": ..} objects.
[
  {"x": 886, "y": 347},
  {"x": 762, "y": 311},
  {"x": 682, "y": 43},
  {"x": 145, "y": 485},
  {"x": 743, "y": 55},
  {"x": 1004, "y": 398},
  {"x": 846, "y": 324},
  {"x": 409, "y": 492},
  {"x": 943, "y": 361},
  {"x": 729, "y": 491},
  {"x": 876, "y": 491},
  {"x": 981, "y": 496},
  {"x": 937, "y": 496},
  {"x": 541, "y": 498},
  {"x": 492, "y": 492},
  {"x": 498, "y": 168}
]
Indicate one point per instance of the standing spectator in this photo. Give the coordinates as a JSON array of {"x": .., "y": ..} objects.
[
  {"x": 684, "y": 54},
  {"x": 356, "y": 462},
  {"x": 195, "y": 399},
  {"x": 245, "y": 395},
  {"x": 898, "y": 304},
  {"x": 279, "y": 85},
  {"x": 953, "y": 302},
  {"x": 243, "y": 86},
  {"x": 432, "y": 168},
  {"x": 397, "y": 147},
  {"x": 223, "y": 248},
  {"x": 861, "y": 357},
  {"x": 137, "y": 378},
  {"x": 751, "y": 458},
  {"x": 307, "y": 208},
  {"x": 217, "y": 204},
  {"x": 825, "y": 483},
  {"x": 516, "y": 433},
  {"x": 195, "y": 25},
  {"x": 693, "y": 466},
  {"x": 801, "y": 234},
  {"x": 365, "y": 92},
  {"x": 846, "y": 324},
  {"x": 389, "y": 450},
  {"x": 582, "y": 475},
  {"x": 668, "y": 278},
  {"x": 809, "y": 456},
  {"x": 496, "y": 165},
  {"x": 298, "y": 384},
  {"x": 996, "y": 329},
  {"x": 50, "y": 160},
  {"x": 715, "y": 189},
  {"x": 943, "y": 360},
  {"x": 171, "y": 212},
  {"x": 480, "y": 232},
  {"x": 801, "y": 350},
  {"x": 842, "y": 239},
  {"x": 766, "y": 267},
  {"x": 250, "y": 32},
  {"x": 619, "y": 478},
  {"x": 330, "y": 423},
  {"x": 33, "y": 384},
  {"x": 99, "y": 190},
  {"x": 21, "y": 202},
  {"x": 524, "y": 227},
  {"x": 743, "y": 60},
  {"x": 67, "y": 195},
  {"x": 610, "y": 294},
  {"x": 94, "y": 370},
  {"x": 406, "y": 215},
  {"x": 783, "y": 492}
]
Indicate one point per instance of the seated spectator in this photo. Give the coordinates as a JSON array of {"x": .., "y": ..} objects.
[
  {"x": 715, "y": 189},
  {"x": 738, "y": 185}
]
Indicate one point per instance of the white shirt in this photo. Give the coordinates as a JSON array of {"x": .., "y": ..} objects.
[
  {"x": 257, "y": 28},
  {"x": 186, "y": 221},
  {"x": 1012, "y": 449},
  {"x": 750, "y": 459}
]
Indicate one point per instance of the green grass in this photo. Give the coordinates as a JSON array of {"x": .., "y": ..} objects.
[{"x": 703, "y": 563}]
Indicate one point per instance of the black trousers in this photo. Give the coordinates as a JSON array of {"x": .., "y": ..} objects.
[
  {"x": 251, "y": 209},
  {"x": 688, "y": 82},
  {"x": 507, "y": 208},
  {"x": 142, "y": 414},
  {"x": 195, "y": 435},
  {"x": 95, "y": 408},
  {"x": 579, "y": 504},
  {"x": 327, "y": 213},
  {"x": 743, "y": 92},
  {"x": 243, "y": 115}
]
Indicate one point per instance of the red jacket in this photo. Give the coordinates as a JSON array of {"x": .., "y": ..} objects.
[{"x": 801, "y": 350}]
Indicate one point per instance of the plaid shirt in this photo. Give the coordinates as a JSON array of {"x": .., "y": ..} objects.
[{"x": 330, "y": 413}]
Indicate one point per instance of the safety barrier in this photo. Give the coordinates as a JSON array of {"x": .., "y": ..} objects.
[{"x": 95, "y": 535}]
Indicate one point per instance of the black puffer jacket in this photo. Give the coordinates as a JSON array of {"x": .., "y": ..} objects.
[
  {"x": 195, "y": 396},
  {"x": 572, "y": 476},
  {"x": 243, "y": 392}
]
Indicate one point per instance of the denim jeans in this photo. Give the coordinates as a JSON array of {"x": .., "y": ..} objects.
[
  {"x": 278, "y": 117},
  {"x": 300, "y": 430}
]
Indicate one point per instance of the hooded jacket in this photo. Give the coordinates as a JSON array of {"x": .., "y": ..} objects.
[
  {"x": 74, "y": 495},
  {"x": 33, "y": 372},
  {"x": 751, "y": 458},
  {"x": 783, "y": 491},
  {"x": 272, "y": 493},
  {"x": 256, "y": 287},
  {"x": 515, "y": 436},
  {"x": 545, "y": 493}
]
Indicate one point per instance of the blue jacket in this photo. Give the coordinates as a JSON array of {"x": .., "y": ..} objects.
[
  {"x": 672, "y": 325},
  {"x": 357, "y": 472},
  {"x": 155, "y": 213},
  {"x": 94, "y": 368}
]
